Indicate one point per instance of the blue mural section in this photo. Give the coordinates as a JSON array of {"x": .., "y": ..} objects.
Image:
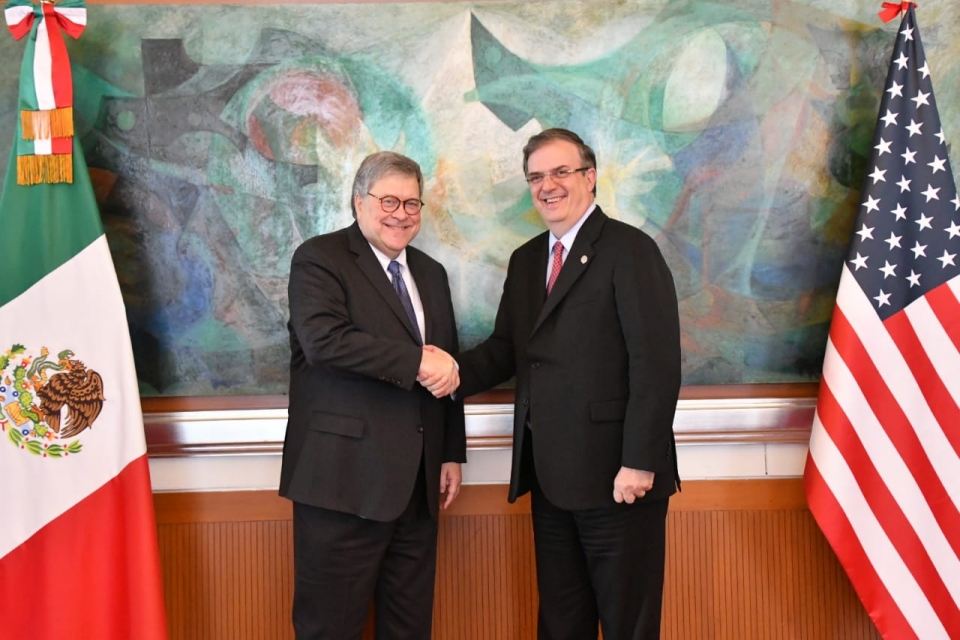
[{"x": 736, "y": 135}]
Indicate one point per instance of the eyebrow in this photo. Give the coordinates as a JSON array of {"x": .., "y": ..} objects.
[{"x": 561, "y": 167}]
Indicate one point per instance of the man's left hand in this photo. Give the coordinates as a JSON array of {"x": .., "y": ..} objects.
[
  {"x": 631, "y": 484},
  {"x": 450, "y": 478}
]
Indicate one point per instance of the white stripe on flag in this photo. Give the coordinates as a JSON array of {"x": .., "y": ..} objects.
[
  {"x": 43, "y": 147},
  {"x": 895, "y": 372},
  {"x": 82, "y": 310},
  {"x": 890, "y": 466},
  {"x": 937, "y": 345},
  {"x": 953, "y": 323},
  {"x": 893, "y": 573},
  {"x": 43, "y": 69},
  {"x": 14, "y": 15},
  {"x": 76, "y": 15}
]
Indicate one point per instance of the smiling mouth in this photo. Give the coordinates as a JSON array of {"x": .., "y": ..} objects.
[{"x": 553, "y": 200}]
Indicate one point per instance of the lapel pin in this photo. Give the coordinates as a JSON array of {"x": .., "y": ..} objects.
[{"x": 583, "y": 259}]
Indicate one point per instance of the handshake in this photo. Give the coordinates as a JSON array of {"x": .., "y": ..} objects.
[{"x": 438, "y": 372}]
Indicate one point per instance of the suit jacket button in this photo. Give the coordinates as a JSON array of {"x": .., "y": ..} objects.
[
  {"x": 526, "y": 402},
  {"x": 535, "y": 365},
  {"x": 419, "y": 429}
]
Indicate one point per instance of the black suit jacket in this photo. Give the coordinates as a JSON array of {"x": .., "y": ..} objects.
[
  {"x": 597, "y": 363},
  {"x": 358, "y": 420}
]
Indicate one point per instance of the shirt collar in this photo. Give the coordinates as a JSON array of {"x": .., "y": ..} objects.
[
  {"x": 385, "y": 261},
  {"x": 570, "y": 235}
]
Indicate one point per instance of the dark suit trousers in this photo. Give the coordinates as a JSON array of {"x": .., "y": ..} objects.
[
  {"x": 598, "y": 565},
  {"x": 342, "y": 562}
]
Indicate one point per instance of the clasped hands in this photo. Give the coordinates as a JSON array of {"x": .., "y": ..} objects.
[{"x": 438, "y": 372}]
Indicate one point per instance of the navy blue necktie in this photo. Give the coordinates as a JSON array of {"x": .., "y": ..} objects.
[{"x": 401, "y": 288}]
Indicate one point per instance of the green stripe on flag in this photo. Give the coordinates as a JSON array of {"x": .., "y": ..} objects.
[
  {"x": 28, "y": 86},
  {"x": 23, "y": 147},
  {"x": 44, "y": 225}
]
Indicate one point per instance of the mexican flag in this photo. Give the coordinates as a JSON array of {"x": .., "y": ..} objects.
[{"x": 78, "y": 541}]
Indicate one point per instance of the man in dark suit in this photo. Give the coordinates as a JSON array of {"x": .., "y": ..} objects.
[
  {"x": 368, "y": 450},
  {"x": 589, "y": 324}
]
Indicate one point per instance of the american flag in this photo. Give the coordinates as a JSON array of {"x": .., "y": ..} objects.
[{"x": 883, "y": 474}]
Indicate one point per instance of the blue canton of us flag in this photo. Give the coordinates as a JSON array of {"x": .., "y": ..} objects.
[{"x": 907, "y": 235}]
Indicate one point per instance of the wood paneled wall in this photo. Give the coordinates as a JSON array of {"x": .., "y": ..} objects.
[{"x": 745, "y": 560}]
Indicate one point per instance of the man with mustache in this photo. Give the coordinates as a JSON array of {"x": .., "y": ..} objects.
[
  {"x": 589, "y": 324},
  {"x": 368, "y": 450}
]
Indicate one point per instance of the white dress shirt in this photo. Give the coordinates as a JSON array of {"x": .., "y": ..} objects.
[
  {"x": 566, "y": 240},
  {"x": 407, "y": 280}
]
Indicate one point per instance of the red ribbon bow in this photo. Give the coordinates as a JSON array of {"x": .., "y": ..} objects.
[
  {"x": 890, "y": 10},
  {"x": 47, "y": 9}
]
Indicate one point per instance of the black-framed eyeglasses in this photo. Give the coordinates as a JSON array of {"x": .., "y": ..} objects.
[
  {"x": 535, "y": 179},
  {"x": 391, "y": 203}
]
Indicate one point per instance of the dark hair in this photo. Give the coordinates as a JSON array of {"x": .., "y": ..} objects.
[
  {"x": 379, "y": 164},
  {"x": 587, "y": 157}
]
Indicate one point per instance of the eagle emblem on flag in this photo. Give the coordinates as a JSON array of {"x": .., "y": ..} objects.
[{"x": 45, "y": 402}]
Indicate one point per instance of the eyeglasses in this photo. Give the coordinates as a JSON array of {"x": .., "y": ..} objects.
[
  {"x": 535, "y": 179},
  {"x": 391, "y": 203}
]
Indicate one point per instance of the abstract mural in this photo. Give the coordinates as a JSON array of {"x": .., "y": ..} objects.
[{"x": 735, "y": 134}]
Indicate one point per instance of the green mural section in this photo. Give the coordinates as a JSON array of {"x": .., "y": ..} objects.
[{"x": 735, "y": 134}]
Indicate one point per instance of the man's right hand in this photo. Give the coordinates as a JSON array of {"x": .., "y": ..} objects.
[{"x": 438, "y": 372}]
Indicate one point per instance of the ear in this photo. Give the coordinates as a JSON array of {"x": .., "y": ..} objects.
[
  {"x": 357, "y": 199},
  {"x": 591, "y": 177}
]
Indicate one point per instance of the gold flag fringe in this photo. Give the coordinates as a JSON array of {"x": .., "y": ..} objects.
[
  {"x": 43, "y": 125},
  {"x": 50, "y": 169}
]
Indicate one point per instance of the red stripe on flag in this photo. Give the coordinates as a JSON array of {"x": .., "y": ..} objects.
[
  {"x": 947, "y": 309},
  {"x": 938, "y": 397},
  {"x": 94, "y": 572},
  {"x": 886, "y": 509},
  {"x": 61, "y": 145},
  {"x": 833, "y": 521},
  {"x": 60, "y": 62},
  {"x": 896, "y": 425}
]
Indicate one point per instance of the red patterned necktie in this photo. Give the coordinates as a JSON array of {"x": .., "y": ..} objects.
[{"x": 557, "y": 264}]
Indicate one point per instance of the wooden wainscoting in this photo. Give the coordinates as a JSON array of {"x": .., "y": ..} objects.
[{"x": 745, "y": 561}]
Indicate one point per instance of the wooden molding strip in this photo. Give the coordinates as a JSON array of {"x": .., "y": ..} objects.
[
  {"x": 175, "y": 404},
  {"x": 480, "y": 500},
  {"x": 252, "y": 425}
]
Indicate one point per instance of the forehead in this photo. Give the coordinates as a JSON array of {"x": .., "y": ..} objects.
[
  {"x": 556, "y": 153},
  {"x": 396, "y": 184}
]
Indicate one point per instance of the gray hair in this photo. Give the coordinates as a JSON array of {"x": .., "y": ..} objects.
[{"x": 379, "y": 164}]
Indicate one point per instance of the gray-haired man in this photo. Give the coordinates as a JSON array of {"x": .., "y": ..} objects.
[{"x": 368, "y": 450}]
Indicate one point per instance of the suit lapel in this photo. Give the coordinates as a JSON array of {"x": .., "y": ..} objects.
[
  {"x": 371, "y": 268},
  {"x": 578, "y": 261},
  {"x": 537, "y": 272}
]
